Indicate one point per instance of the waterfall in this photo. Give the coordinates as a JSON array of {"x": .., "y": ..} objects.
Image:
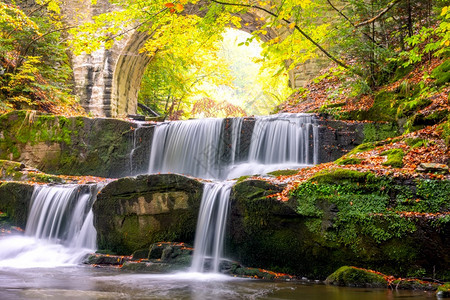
[
  {"x": 210, "y": 230},
  {"x": 187, "y": 147},
  {"x": 59, "y": 228},
  {"x": 236, "y": 129},
  {"x": 134, "y": 142},
  {"x": 196, "y": 147},
  {"x": 284, "y": 138}
]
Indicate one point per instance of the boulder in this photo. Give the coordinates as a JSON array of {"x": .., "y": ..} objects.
[
  {"x": 432, "y": 168},
  {"x": 133, "y": 212},
  {"x": 15, "y": 201},
  {"x": 355, "y": 277}
]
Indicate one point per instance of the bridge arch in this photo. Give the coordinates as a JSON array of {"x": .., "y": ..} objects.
[{"x": 107, "y": 81}]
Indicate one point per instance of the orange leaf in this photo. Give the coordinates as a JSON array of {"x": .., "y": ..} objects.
[
  {"x": 180, "y": 7},
  {"x": 169, "y": 5}
]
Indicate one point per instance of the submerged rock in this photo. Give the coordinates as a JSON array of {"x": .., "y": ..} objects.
[{"x": 355, "y": 277}]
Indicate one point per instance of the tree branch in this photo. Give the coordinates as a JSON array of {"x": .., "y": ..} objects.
[
  {"x": 339, "y": 62},
  {"x": 379, "y": 15},
  {"x": 353, "y": 24}
]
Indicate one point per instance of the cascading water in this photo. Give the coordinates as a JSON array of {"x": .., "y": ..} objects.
[
  {"x": 210, "y": 230},
  {"x": 134, "y": 141},
  {"x": 284, "y": 139},
  {"x": 198, "y": 148},
  {"x": 59, "y": 230},
  {"x": 187, "y": 147}
]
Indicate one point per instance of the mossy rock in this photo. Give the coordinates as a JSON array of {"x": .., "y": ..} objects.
[
  {"x": 362, "y": 148},
  {"x": 443, "y": 291},
  {"x": 442, "y": 73},
  {"x": 74, "y": 145},
  {"x": 355, "y": 277},
  {"x": 15, "y": 200},
  {"x": 11, "y": 170},
  {"x": 287, "y": 172},
  {"x": 394, "y": 158},
  {"x": 340, "y": 176},
  {"x": 133, "y": 212},
  {"x": 380, "y": 131},
  {"x": 348, "y": 161}
]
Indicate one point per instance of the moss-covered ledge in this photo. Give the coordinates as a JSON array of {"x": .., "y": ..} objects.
[
  {"x": 342, "y": 217},
  {"x": 73, "y": 145},
  {"x": 133, "y": 212},
  {"x": 15, "y": 171}
]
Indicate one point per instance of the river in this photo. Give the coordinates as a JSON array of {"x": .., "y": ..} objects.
[{"x": 86, "y": 282}]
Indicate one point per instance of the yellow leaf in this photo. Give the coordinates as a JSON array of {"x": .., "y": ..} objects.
[
  {"x": 444, "y": 10},
  {"x": 292, "y": 25}
]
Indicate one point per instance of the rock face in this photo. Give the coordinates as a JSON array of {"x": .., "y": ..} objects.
[
  {"x": 115, "y": 148},
  {"x": 132, "y": 213},
  {"x": 14, "y": 201},
  {"x": 315, "y": 233},
  {"x": 76, "y": 145}
]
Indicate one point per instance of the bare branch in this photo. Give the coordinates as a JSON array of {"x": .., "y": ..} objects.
[
  {"x": 379, "y": 15},
  {"x": 339, "y": 62}
]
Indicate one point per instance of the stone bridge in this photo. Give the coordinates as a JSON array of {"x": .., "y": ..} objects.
[{"x": 107, "y": 81}]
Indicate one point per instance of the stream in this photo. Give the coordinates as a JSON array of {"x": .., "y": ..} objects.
[{"x": 86, "y": 282}]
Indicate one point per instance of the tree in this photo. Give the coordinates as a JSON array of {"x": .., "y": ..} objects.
[
  {"x": 363, "y": 37},
  {"x": 34, "y": 68}
]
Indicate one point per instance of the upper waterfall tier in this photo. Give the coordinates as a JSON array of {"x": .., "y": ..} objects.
[{"x": 220, "y": 148}]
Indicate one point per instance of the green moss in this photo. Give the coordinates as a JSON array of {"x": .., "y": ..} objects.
[
  {"x": 443, "y": 291},
  {"x": 445, "y": 128},
  {"x": 46, "y": 178},
  {"x": 416, "y": 142},
  {"x": 242, "y": 178},
  {"x": 394, "y": 158},
  {"x": 340, "y": 176},
  {"x": 379, "y": 131},
  {"x": 351, "y": 276},
  {"x": 408, "y": 108},
  {"x": 442, "y": 73},
  {"x": 348, "y": 161},
  {"x": 283, "y": 172},
  {"x": 362, "y": 148}
]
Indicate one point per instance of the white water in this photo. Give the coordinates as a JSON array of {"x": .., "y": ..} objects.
[
  {"x": 59, "y": 229},
  {"x": 284, "y": 139},
  {"x": 210, "y": 231},
  {"x": 198, "y": 148},
  {"x": 187, "y": 147}
]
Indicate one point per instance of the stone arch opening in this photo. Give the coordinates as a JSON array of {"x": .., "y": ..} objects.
[{"x": 130, "y": 67}]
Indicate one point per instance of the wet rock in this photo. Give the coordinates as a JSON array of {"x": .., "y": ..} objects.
[
  {"x": 354, "y": 277},
  {"x": 106, "y": 259},
  {"x": 432, "y": 168},
  {"x": 74, "y": 145},
  {"x": 140, "y": 254},
  {"x": 15, "y": 201},
  {"x": 167, "y": 251},
  {"x": 134, "y": 212},
  {"x": 443, "y": 291}
]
